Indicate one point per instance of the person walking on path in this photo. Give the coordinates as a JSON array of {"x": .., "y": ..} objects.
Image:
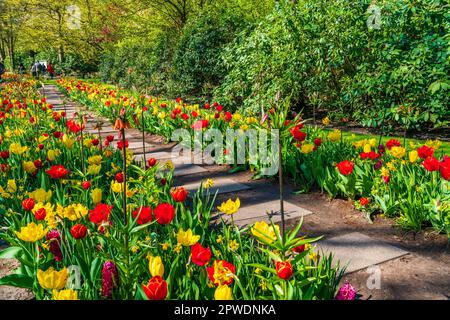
[
  {"x": 2, "y": 68},
  {"x": 21, "y": 68},
  {"x": 50, "y": 70},
  {"x": 35, "y": 69}
]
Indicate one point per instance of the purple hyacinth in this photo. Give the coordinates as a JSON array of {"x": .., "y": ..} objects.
[
  {"x": 54, "y": 238},
  {"x": 378, "y": 165},
  {"x": 346, "y": 292},
  {"x": 110, "y": 278}
]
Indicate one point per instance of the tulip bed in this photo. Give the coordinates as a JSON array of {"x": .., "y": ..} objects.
[
  {"x": 405, "y": 181},
  {"x": 86, "y": 222}
]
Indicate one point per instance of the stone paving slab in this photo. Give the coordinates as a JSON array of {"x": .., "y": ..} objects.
[
  {"x": 359, "y": 251},
  {"x": 267, "y": 210},
  {"x": 133, "y": 145},
  {"x": 157, "y": 155},
  {"x": 223, "y": 185},
  {"x": 182, "y": 170}
]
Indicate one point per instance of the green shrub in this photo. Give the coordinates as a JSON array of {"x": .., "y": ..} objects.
[{"x": 324, "y": 55}]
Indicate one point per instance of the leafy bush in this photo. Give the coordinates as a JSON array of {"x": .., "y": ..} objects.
[
  {"x": 198, "y": 67},
  {"x": 324, "y": 55}
]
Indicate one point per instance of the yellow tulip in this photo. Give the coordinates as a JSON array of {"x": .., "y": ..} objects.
[
  {"x": 262, "y": 231},
  {"x": 95, "y": 160},
  {"x": 230, "y": 207},
  {"x": 40, "y": 195},
  {"x": 52, "y": 279},
  {"x": 307, "y": 148},
  {"x": 72, "y": 212},
  {"x": 398, "y": 152},
  {"x": 94, "y": 169},
  {"x": 385, "y": 172},
  {"x": 68, "y": 142},
  {"x": 187, "y": 238},
  {"x": 413, "y": 156},
  {"x": 116, "y": 186},
  {"x": 96, "y": 195},
  {"x": 208, "y": 184},
  {"x": 326, "y": 121},
  {"x": 156, "y": 266},
  {"x": 367, "y": 148},
  {"x": 16, "y": 148},
  {"x": 32, "y": 232},
  {"x": 12, "y": 187},
  {"x": 68, "y": 294},
  {"x": 223, "y": 293},
  {"x": 29, "y": 167},
  {"x": 335, "y": 135},
  {"x": 53, "y": 154}
]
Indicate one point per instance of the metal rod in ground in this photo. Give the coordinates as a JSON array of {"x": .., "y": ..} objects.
[{"x": 280, "y": 179}]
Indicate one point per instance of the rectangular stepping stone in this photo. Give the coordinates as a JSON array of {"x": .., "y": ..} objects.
[
  {"x": 223, "y": 185},
  {"x": 181, "y": 170},
  {"x": 359, "y": 251},
  {"x": 157, "y": 155},
  {"x": 265, "y": 210},
  {"x": 138, "y": 145}
]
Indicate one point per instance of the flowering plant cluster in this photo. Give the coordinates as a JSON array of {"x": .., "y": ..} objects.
[
  {"x": 62, "y": 207},
  {"x": 407, "y": 181}
]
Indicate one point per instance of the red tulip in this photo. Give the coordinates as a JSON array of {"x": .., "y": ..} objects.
[
  {"x": 4, "y": 154},
  {"x": 156, "y": 289},
  {"x": 200, "y": 124},
  {"x": 28, "y": 204},
  {"x": 57, "y": 172},
  {"x": 151, "y": 162},
  {"x": 228, "y": 116},
  {"x": 345, "y": 167},
  {"x": 318, "y": 142},
  {"x": 425, "y": 152},
  {"x": 179, "y": 194},
  {"x": 119, "y": 177},
  {"x": 86, "y": 185},
  {"x": 100, "y": 214},
  {"x": 431, "y": 164},
  {"x": 299, "y": 249},
  {"x": 200, "y": 255},
  {"x": 298, "y": 135},
  {"x": 284, "y": 270},
  {"x": 78, "y": 231},
  {"x": 164, "y": 213},
  {"x": 143, "y": 214},
  {"x": 445, "y": 168},
  {"x": 364, "y": 201},
  {"x": 40, "y": 214},
  {"x": 393, "y": 143}
]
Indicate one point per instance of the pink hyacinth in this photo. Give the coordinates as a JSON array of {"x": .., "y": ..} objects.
[
  {"x": 346, "y": 292},
  {"x": 110, "y": 278}
]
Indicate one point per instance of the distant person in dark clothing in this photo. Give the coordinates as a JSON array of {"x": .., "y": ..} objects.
[
  {"x": 2, "y": 68},
  {"x": 21, "y": 69},
  {"x": 42, "y": 68}
]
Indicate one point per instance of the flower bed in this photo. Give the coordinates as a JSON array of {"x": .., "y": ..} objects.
[
  {"x": 85, "y": 224},
  {"x": 409, "y": 182}
]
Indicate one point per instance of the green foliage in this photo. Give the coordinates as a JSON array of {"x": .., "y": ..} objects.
[
  {"x": 197, "y": 63},
  {"x": 325, "y": 56}
]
